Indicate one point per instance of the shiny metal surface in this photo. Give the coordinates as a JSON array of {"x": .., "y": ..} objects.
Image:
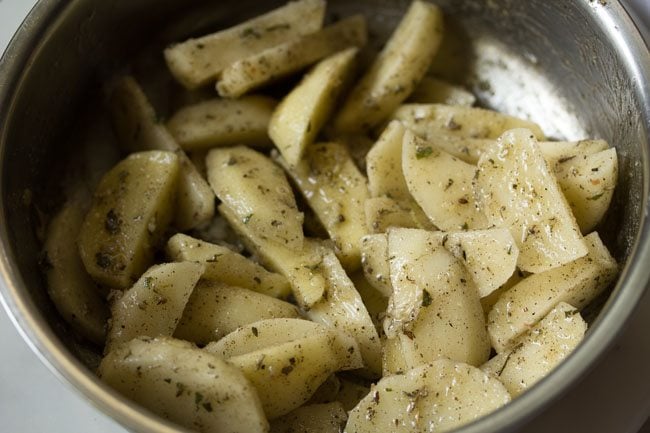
[{"x": 578, "y": 68}]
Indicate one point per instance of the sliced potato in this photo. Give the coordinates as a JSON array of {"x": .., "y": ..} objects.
[
  {"x": 301, "y": 268},
  {"x": 466, "y": 149},
  {"x": 435, "y": 91},
  {"x": 516, "y": 190},
  {"x": 429, "y": 120},
  {"x": 300, "y": 116},
  {"x": 540, "y": 350},
  {"x": 216, "y": 309},
  {"x": 223, "y": 122},
  {"x": 254, "y": 71},
  {"x": 154, "y": 305},
  {"x": 198, "y": 61},
  {"x": 577, "y": 283},
  {"x": 327, "y": 392},
  {"x": 298, "y": 366},
  {"x": 374, "y": 259},
  {"x": 396, "y": 71},
  {"x": 490, "y": 256},
  {"x": 441, "y": 184},
  {"x": 434, "y": 397},
  {"x": 74, "y": 294},
  {"x": 258, "y": 192},
  {"x": 375, "y": 302},
  {"x": 223, "y": 264},
  {"x": 487, "y": 302},
  {"x": 314, "y": 418},
  {"x": 131, "y": 210},
  {"x": 588, "y": 184},
  {"x": 138, "y": 129},
  {"x": 562, "y": 151},
  {"x": 336, "y": 190},
  {"x": 193, "y": 388}
]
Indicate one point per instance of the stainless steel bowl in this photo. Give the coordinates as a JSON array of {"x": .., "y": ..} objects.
[{"x": 578, "y": 68}]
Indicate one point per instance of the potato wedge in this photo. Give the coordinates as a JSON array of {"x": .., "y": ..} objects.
[
  {"x": 336, "y": 190},
  {"x": 375, "y": 302},
  {"x": 434, "y": 397},
  {"x": 327, "y": 392},
  {"x": 562, "y": 151},
  {"x": 383, "y": 213},
  {"x": 441, "y": 184},
  {"x": 577, "y": 283},
  {"x": 314, "y": 418},
  {"x": 434, "y": 310},
  {"x": 154, "y": 305},
  {"x": 540, "y": 350},
  {"x": 516, "y": 190},
  {"x": 131, "y": 210},
  {"x": 297, "y": 366},
  {"x": 198, "y": 61},
  {"x": 343, "y": 309},
  {"x": 301, "y": 268},
  {"x": 223, "y": 122},
  {"x": 396, "y": 71},
  {"x": 278, "y": 61},
  {"x": 298, "y": 119},
  {"x": 351, "y": 392},
  {"x": 193, "y": 388},
  {"x": 374, "y": 259},
  {"x": 258, "y": 192},
  {"x": 224, "y": 265},
  {"x": 138, "y": 129},
  {"x": 74, "y": 294},
  {"x": 588, "y": 184},
  {"x": 490, "y": 256},
  {"x": 435, "y": 91},
  {"x": 428, "y": 120},
  {"x": 216, "y": 309}
]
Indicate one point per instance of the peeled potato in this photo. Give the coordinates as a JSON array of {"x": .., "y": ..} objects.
[
  {"x": 189, "y": 386},
  {"x": 435, "y": 397},
  {"x": 132, "y": 207},
  {"x": 313, "y": 418}
]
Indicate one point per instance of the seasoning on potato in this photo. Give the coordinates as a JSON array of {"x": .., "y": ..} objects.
[{"x": 474, "y": 236}]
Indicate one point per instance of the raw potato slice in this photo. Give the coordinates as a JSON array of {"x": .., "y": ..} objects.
[
  {"x": 396, "y": 71},
  {"x": 138, "y": 129},
  {"x": 516, "y": 190},
  {"x": 434, "y": 91},
  {"x": 198, "y": 61},
  {"x": 258, "y": 192},
  {"x": 302, "y": 113},
  {"x": 588, "y": 184},
  {"x": 490, "y": 256},
  {"x": 374, "y": 259},
  {"x": 562, "y": 151},
  {"x": 429, "y": 120},
  {"x": 434, "y": 397},
  {"x": 263, "y": 334},
  {"x": 336, "y": 190},
  {"x": 343, "y": 309},
  {"x": 278, "y": 61},
  {"x": 577, "y": 283},
  {"x": 223, "y": 264},
  {"x": 434, "y": 310},
  {"x": 216, "y": 309},
  {"x": 540, "y": 350},
  {"x": 315, "y": 418},
  {"x": 131, "y": 210},
  {"x": 298, "y": 366},
  {"x": 73, "y": 292},
  {"x": 392, "y": 204},
  {"x": 154, "y": 305},
  {"x": 190, "y": 387},
  {"x": 223, "y": 122},
  {"x": 441, "y": 184},
  {"x": 300, "y": 267}
]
